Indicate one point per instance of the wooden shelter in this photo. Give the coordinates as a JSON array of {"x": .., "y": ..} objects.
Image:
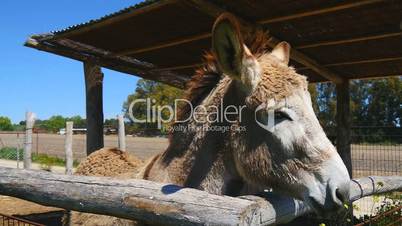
[{"x": 164, "y": 40}]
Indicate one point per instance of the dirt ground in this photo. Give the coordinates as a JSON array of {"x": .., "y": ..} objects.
[{"x": 13, "y": 206}]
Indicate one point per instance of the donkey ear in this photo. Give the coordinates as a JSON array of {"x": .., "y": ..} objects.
[
  {"x": 227, "y": 44},
  {"x": 282, "y": 52}
]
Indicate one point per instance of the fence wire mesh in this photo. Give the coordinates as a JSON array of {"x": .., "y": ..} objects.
[
  {"x": 6, "y": 220},
  {"x": 11, "y": 148},
  {"x": 377, "y": 151}
]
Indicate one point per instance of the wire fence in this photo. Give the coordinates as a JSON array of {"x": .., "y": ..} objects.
[
  {"x": 52, "y": 145},
  {"x": 11, "y": 148},
  {"x": 376, "y": 150},
  {"x": 6, "y": 220}
]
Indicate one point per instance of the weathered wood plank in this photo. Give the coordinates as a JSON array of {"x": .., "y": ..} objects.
[
  {"x": 341, "y": 6},
  {"x": 165, "y": 44},
  {"x": 164, "y": 204},
  {"x": 111, "y": 20}
]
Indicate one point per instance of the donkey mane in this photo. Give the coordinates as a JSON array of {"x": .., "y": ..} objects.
[{"x": 207, "y": 76}]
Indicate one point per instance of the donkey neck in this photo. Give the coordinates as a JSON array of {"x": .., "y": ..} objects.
[{"x": 198, "y": 157}]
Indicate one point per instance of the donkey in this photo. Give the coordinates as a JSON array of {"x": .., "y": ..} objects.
[
  {"x": 275, "y": 141},
  {"x": 292, "y": 156}
]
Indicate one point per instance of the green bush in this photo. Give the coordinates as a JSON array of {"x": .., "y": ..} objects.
[{"x": 10, "y": 153}]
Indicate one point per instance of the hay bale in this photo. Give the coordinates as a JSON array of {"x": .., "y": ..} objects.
[{"x": 110, "y": 163}]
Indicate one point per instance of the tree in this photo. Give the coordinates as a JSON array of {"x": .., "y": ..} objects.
[
  {"x": 5, "y": 124},
  {"x": 326, "y": 101},
  {"x": 384, "y": 102},
  {"x": 112, "y": 123},
  {"x": 54, "y": 123},
  {"x": 78, "y": 121},
  {"x": 375, "y": 107},
  {"x": 162, "y": 94}
]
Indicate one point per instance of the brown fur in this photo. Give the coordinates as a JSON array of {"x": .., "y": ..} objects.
[
  {"x": 277, "y": 81},
  {"x": 207, "y": 76}
]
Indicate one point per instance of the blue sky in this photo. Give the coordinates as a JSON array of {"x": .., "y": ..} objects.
[{"x": 44, "y": 83}]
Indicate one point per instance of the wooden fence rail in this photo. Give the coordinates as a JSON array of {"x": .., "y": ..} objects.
[{"x": 165, "y": 204}]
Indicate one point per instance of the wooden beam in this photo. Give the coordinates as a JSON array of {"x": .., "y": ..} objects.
[
  {"x": 115, "y": 19},
  {"x": 165, "y": 204},
  {"x": 319, "y": 11},
  {"x": 300, "y": 68},
  {"x": 208, "y": 35},
  {"x": 343, "y": 121},
  {"x": 364, "y": 61},
  {"x": 180, "y": 67},
  {"x": 80, "y": 52},
  {"x": 372, "y": 77},
  {"x": 356, "y": 62},
  {"x": 165, "y": 44},
  {"x": 94, "y": 106},
  {"x": 214, "y": 11},
  {"x": 350, "y": 40}
]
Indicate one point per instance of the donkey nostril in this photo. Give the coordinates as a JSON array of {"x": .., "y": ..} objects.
[
  {"x": 342, "y": 195},
  {"x": 339, "y": 195}
]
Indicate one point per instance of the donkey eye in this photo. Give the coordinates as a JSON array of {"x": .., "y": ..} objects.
[{"x": 281, "y": 115}]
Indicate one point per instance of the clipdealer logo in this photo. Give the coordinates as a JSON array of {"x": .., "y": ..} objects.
[{"x": 200, "y": 114}]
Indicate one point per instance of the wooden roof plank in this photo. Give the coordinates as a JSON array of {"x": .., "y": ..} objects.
[
  {"x": 180, "y": 67},
  {"x": 350, "y": 40},
  {"x": 357, "y": 62},
  {"x": 165, "y": 44},
  {"x": 102, "y": 23},
  {"x": 319, "y": 11},
  {"x": 215, "y": 11},
  {"x": 364, "y": 61}
]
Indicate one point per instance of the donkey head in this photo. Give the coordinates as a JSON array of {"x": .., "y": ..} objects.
[{"x": 284, "y": 146}]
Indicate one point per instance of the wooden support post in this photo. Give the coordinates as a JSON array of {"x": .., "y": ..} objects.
[
  {"x": 343, "y": 124},
  {"x": 122, "y": 134},
  {"x": 68, "y": 147},
  {"x": 29, "y": 123},
  {"x": 94, "y": 106}
]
